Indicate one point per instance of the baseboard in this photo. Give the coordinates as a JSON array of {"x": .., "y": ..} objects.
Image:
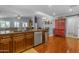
[
  {"x": 72, "y": 36},
  {"x": 50, "y": 35},
  {"x": 66, "y": 36}
]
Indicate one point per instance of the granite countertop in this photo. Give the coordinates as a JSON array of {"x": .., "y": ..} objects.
[{"x": 13, "y": 32}]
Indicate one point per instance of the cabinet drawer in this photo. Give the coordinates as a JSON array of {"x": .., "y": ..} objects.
[
  {"x": 19, "y": 37},
  {"x": 29, "y": 35},
  {"x": 6, "y": 40},
  {"x": 4, "y": 37}
]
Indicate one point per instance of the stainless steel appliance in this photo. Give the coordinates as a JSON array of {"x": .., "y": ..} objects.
[{"x": 37, "y": 38}]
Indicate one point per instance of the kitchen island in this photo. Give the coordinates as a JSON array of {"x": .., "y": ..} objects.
[{"x": 19, "y": 41}]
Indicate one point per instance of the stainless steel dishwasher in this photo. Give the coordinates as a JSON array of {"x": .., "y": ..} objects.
[{"x": 37, "y": 38}]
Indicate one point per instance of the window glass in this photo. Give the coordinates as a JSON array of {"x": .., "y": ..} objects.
[
  {"x": 16, "y": 24},
  {"x": 2, "y": 24},
  {"x": 7, "y": 23},
  {"x": 24, "y": 24}
]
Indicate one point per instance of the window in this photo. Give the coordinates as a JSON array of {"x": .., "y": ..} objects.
[
  {"x": 16, "y": 24},
  {"x": 4, "y": 24},
  {"x": 7, "y": 23},
  {"x": 24, "y": 24}
]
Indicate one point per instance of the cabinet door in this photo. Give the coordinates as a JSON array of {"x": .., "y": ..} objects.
[
  {"x": 5, "y": 44},
  {"x": 18, "y": 43},
  {"x": 1, "y": 48},
  {"x": 29, "y": 41}
]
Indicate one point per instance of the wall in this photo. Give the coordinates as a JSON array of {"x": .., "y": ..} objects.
[
  {"x": 26, "y": 19},
  {"x": 13, "y": 19},
  {"x": 72, "y": 26},
  {"x": 39, "y": 22},
  {"x": 51, "y": 26}
]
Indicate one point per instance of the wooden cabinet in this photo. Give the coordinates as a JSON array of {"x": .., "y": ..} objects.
[
  {"x": 18, "y": 42},
  {"x": 22, "y": 41},
  {"x": 5, "y": 43},
  {"x": 60, "y": 27},
  {"x": 1, "y": 45},
  {"x": 29, "y": 40}
]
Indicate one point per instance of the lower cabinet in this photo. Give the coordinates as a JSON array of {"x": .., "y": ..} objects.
[
  {"x": 22, "y": 42},
  {"x": 18, "y": 42},
  {"x": 5, "y": 44},
  {"x": 29, "y": 40}
]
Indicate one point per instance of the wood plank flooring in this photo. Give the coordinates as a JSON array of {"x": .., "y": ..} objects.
[{"x": 59, "y": 45}]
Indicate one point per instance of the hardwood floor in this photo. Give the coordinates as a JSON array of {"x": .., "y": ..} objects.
[{"x": 59, "y": 45}]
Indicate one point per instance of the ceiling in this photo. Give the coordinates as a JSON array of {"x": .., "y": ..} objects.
[{"x": 50, "y": 10}]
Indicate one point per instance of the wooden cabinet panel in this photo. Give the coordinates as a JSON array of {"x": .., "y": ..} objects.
[
  {"x": 29, "y": 34},
  {"x": 29, "y": 40},
  {"x": 5, "y": 44},
  {"x": 1, "y": 48},
  {"x": 59, "y": 29},
  {"x": 0, "y": 38},
  {"x": 29, "y": 43},
  {"x": 18, "y": 42}
]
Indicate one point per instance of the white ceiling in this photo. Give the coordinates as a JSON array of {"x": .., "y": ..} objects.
[{"x": 24, "y": 10}]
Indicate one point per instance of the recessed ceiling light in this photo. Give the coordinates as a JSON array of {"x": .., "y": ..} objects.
[
  {"x": 54, "y": 13},
  {"x": 18, "y": 17},
  {"x": 70, "y": 9},
  {"x": 49, "y": 5}
]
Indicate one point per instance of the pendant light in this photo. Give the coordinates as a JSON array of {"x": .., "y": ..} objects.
[{"x": 18, "y": 17}]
